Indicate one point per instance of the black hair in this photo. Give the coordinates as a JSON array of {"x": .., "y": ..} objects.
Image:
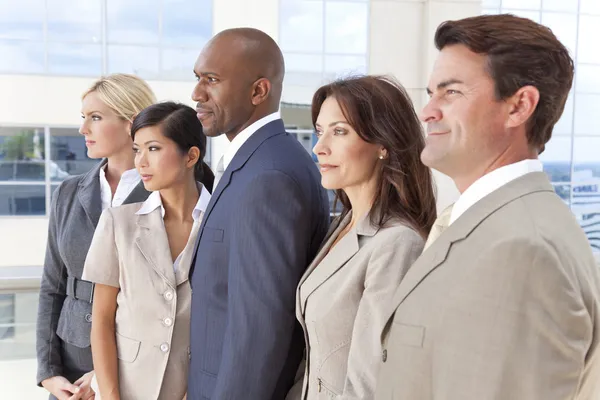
[{"x": 179, "y": 123}]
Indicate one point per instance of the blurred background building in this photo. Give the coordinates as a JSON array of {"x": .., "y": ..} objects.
[{"x": 52, "y": 50}]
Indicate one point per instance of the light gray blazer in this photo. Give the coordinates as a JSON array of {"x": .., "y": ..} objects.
[
  {"x": 341, "y": 303},
  {"x": 76, "y": 209},
  {"x": 504, "y": 305}
]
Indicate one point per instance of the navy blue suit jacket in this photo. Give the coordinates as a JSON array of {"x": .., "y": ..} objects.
[{"x": 263, "y": 225}]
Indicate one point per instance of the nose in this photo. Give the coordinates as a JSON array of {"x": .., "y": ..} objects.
[
  {"x": 199, "y": 93},
  {"x": 84, "y": 128},
  {"x": 321, "y": 148},
  {"x": 141, "y": 159},
  {"x": 431, "y": 112}
]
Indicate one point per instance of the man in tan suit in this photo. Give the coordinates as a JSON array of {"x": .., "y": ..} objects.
[{"x": 504, "y": 304}]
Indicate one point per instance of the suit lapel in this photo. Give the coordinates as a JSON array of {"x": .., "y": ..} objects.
[
  {"x": 330, "y": 259},
  {"x": 185, "y": 262},
  {"x": 138, "y": 194},
  {"x": 151, "y": 239},
  {"x": 437, "y": 253},
  {"x": 241, "y": 157},
  {"x": 89, "y": 195}
]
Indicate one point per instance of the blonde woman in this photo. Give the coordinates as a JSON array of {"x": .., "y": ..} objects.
[{"x": 65, "y": 305}]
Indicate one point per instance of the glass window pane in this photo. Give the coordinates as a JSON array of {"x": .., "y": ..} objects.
[
  {"x": 22, "y": 154},
  {"x": 590, "y": 7},
  {"x": 74, "y": 20},
  {"x": 344, "y": 66},
  {"x": 301, "y": 26},
  {"x": 586, "y": 187},
  {"x": 532, "y": 15},
  {"x": 560, "y": 5},
  {"x": 588, "y": 78},
  {"x": 557, "y": 159},
  {"x": 68, "y": 154},
  {"x": 346, "y": 27},
  {"x": 589, "y": 31},
  {"x": 190, "y": 28},
  {"x": 522, "y": 4},
  {"x": 564, "y": 26},
  {"x": 142, "y": 61},
  {"x": 564, "y": 126},
  {"x": 23, "y": 199},
  {"x": 21, "y": 57},
  {"x": 74, "y": 59},
  {"x": 23, "y": 19},
  {"x": 586, "y": 107},
  {"x": 303, "y": 69},
  {"x": 132, "y": 21},
  {"x": 177, "y": 64}
]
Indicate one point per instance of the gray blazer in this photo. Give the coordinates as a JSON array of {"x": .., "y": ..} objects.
[
  {"x": 63, "y": 323},
  {"x": 504, "y": 305},
  {"x": 341, "y": 303}
]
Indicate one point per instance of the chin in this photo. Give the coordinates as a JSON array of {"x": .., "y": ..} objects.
[{"x": 327, "y": 184}]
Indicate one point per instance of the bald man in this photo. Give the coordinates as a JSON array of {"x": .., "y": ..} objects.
[{"x": 264, "y": 223}]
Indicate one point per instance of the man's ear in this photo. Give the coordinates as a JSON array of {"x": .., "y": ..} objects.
[
  {"x": 522, "y": 106},
  {"x": 262, "y": 89}
]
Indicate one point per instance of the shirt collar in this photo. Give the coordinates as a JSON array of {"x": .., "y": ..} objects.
[
  {"x": 154, "y": 201},
  {"x": 241, "y": 138},
  {"x": 491, "y": 182}
]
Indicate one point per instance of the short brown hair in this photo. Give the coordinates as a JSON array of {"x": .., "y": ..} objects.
[
  {"x": 521, "y": 52},
  {"x": 380, "y": 111}
]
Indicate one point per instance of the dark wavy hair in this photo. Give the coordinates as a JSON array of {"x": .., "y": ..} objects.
[
  {"x": 380, "y": 111},
  {"x": 179, "y": 123}
]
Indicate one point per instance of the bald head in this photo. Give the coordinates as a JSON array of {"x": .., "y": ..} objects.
[
  {"x": 240, "y": 79},
  {"x": 254, "y": 52}
]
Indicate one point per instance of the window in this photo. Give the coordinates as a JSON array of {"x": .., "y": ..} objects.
[
  {"x": 571, "y": 158},
  {"x": 322, "y": 40},
  {"x": 155, "y": 39}
]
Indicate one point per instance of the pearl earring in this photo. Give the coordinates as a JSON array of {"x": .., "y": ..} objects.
[{"x": 381, "y": 156}]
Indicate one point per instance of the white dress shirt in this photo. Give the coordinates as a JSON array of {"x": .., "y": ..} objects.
[
  {"x": 154, "y": 201},
  {"x": 128, "y": 182},
  {"x": 491, "y": 182},
  {"x": 244, "y": 135}
]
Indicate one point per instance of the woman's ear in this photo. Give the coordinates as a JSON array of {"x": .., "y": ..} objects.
[{"x": 193, "y": 157}]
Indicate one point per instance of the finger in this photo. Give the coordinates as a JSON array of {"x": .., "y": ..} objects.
[
  {"x": 79, "y": 381},
  {"x": 62, "y": 395},
  {"x": 69, "y": 387}
]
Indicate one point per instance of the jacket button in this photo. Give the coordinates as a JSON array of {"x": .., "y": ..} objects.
[
  {"x": 164, "y": 347},
  {"x": 168, "y": 295},
  {"x": 168, "y": 321},
  {"x": 384, "y": 356},
  {"x": 88, "y": 317}
]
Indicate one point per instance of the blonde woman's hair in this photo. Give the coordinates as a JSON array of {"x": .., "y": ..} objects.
[{"x": 125, "y": 94}]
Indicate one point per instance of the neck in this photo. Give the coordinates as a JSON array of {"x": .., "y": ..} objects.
[
  {"x": 255, "y": 117},
  {"x": 180, "y": 199},
  {"x": 510, "y": 156},
  {"x": 117, "y": 164},
  {"x": 361, "y": 200}
]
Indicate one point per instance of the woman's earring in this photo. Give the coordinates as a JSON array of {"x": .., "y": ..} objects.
[{"x": 381, "y": 156}]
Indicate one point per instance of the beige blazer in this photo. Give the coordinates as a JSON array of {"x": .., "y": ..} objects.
[
  {"x": 132, "y": 252},
  {"x": 340, "y": 304},
  {"x": 504, "y": 305}
]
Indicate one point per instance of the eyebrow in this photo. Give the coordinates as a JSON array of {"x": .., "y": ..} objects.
[
  {"x": 147, "y": 143},
  {"x": 205, "y": 74},
  {"x": 93, "y": 112},
  {"x": 333, "y": 123},
  {"x": 445, "y": 84}
]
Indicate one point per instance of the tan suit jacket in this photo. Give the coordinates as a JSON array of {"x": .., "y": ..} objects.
[
  {"x": 132, "y": 252},
  {"x": 504, "y": 305},
  {"x": 340, "y": 304}
]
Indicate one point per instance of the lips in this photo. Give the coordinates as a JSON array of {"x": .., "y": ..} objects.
[
  {"x": 89, "y": 142},
  {"x": 202, "y": 113},
  {"x": 146, "y": 177},
  {"x": 326, "y": 167}
]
